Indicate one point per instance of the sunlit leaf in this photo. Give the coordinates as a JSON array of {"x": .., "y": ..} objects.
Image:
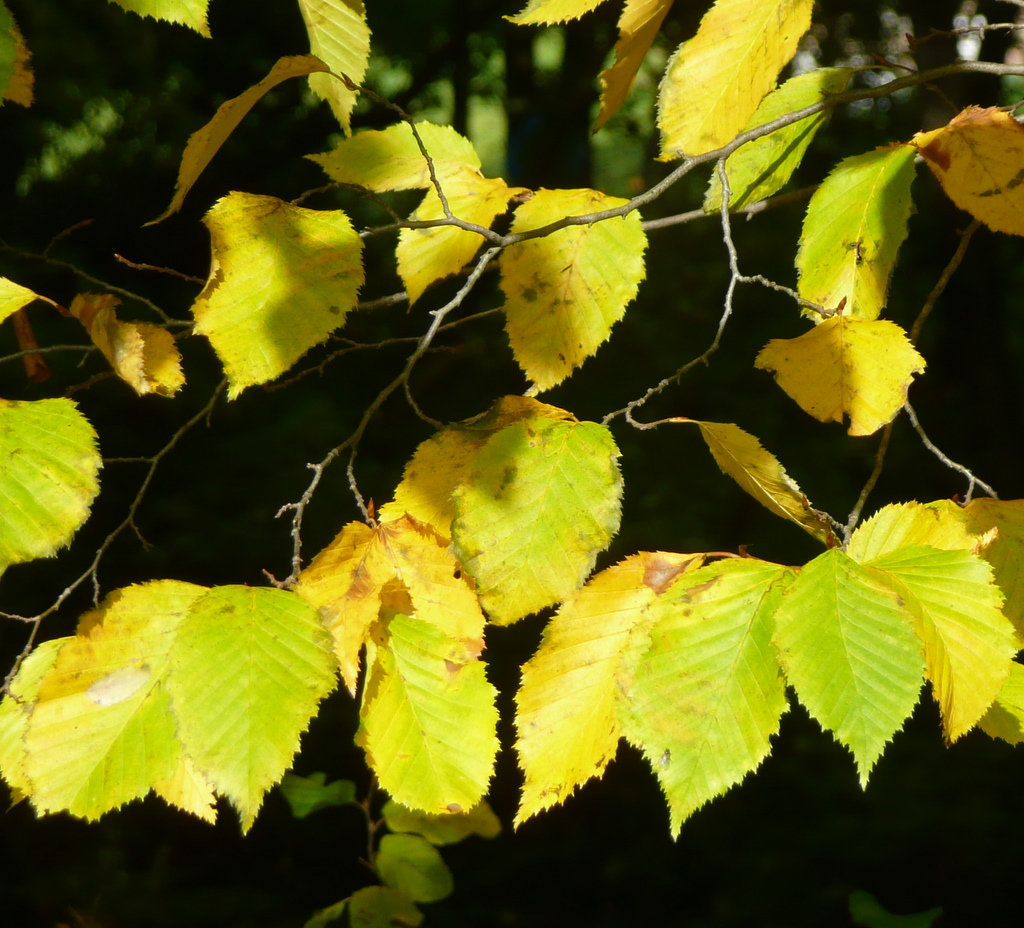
[
  {"x": 204, "y": 143},
  {"x": 977, "y": 158},
  {"x": 760, "y": 168},
  {"x": 414, "y": 866},
  {"x": 13, "y": 297},
  {"x": 715, "y": 81},
  {"x": 191, "y": 13},
  {"x": 740, "y": 455},
  {"x": 16, "y": 77},
  {"x": 187, "y": 789},
  {"x": 1005, "y": 718},
  {"x": 541, "y": 501},
  {"x": 849, "y": 650},
  {"x": 249, "y": 670},
  {"x": 565, "y": 291},
  {"x": 48, "y": 479},
  {"x": 549, "y": 12},
  {"x": 858, "y": 369},
  {"x": 706, "y": 695},
  {"x": 340, "y": 38},
  {"x": 282, "y": 278},
  {"x": 638, "y": 25},
  {"x": 143, "y": 355},
  {"x": 855, "y": 224},
  {"x": 1006, "y": 552},
  {"x": 939, "y": 524},
  {"x": 567, "y": 707},
  {"x": 447, "y": 828}
]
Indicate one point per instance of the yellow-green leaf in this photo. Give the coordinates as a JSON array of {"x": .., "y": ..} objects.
[
  {"x": 977, "y": 158},
  {"x": 15, "y": 74},
  {"x": 567, "y": 707},
  {"x": 428, "y": 718},
  {"x": 443, "y": 461},
  {"x": 187, "y": 789},
  {"x": 204, "y": 143},
  {"x": 1005, "y": 718},
  {"x": 191, "y": 13},
  {"x": 848, "y": 648},
  {"x": 100, "y": 732},
  {"x": 855, "y": 224},
  {"x": 143, "y": 355},
  {"x": 249, "y": 668},
  {"x": 549, "y": 12},
  {"x": 340, "y": 38},
  {"x": 1006, "y": 552},
  {"x": 391, "y": 159},
  {"x": 448, "y": 828},
  {"x": 968, "y": 643},
  {"x": 705, "y": 697},
  {"x": 759, "y": 168},
  {"x": 638, "y": 25},
  {"x": 542, "y": 499},
  {"x": 48, "y": 480},
  {"x": 740, "y": 455},
  {"x": 565, "y": 291},
  {"x": 282, "y": 278},
  {"x": 939, "y": 524},
  {"x": 428, "y": 255},
  {"x": 411, "y": 864},
  {"x": 379, "y": 907},
  {"x": 714, "y": 82},
  {"x": 855, "y": 368},
  {"x": 13, "y": 297}
]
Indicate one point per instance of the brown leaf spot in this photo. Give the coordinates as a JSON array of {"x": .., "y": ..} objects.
[
  {"x": 936, "y": 154},
  {"x": 660, "y": 571}
]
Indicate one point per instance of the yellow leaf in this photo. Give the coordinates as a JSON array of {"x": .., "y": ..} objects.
[
  {"x": 13, "y": 297},
  {"x": 15, "y": 74},
  {"x": 282, "y": 278},
  {"x": 565, "y": 291},
  {"x": 1005, "y": 717},
  {"x": 391, "y": 159},
  {"x": 978, "y": 158},
  {"x": 191, "y": 13},
  {"x": 567, "y": 714},
  {"x": 941, "y": 524},
  {"x": 715, "y": 81},
  {"x": 549, "y": 12},
  {"x": 1006, "y": 553},
  {"x": 638, "y": 25},
  {"x": 187, "y": 789},
  {"x": 858, "y": 368},
  {"x": 402, "y": 562},
  {"x": 740, "y": 455},
  {"x": 428, "y": 255},
  {"x": 141, "y": 354},
  {"x": 443, "y": 461},
  {"x": 340, "y": 37},
  {"x": 204, "y": 143}
]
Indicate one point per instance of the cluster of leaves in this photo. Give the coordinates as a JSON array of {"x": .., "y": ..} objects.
[{"x": 196, "y": 692}]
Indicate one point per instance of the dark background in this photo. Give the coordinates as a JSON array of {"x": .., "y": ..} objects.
[{"x": 117, "y": 96}]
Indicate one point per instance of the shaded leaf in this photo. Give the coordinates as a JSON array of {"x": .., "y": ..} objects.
[
  {"x": 1005, "y": 717},
  {"x": 16, "y": 78},
  {"x": 340, "y": 38},
  {"x": 1006, "y": 552},
  {"x": 328, "y": 915},
  {"x": 306, "y": 795},
  {"x": 48, "y": 480},
  {"x": 762, "y": 167},
  {"x": 282, "y": 278},
  {"x": 855, "y": 224},
  {"x": 978, "y": 158},
  {"x": 855, "y": 368},
  {"x": 565, "y": 291},
  {"x": 866, "y": 910},
  {"x": 412, "y": 865},
  {"x": 448, "y": 828},
  {"x": 143, "y": 355},
  {"x": 204, "y": 143},
  {"x": 715, "y": 81},
  {"x": 250, "y": 668},
  {"x": 382, "y": 907},
  {"x": 567, "y": 707},
  {"x": 542, "y": 500},
  {"x": 638, "y": 25},
  {"x": 848, "y": 649},
  {"x": 706, "y": 695}
]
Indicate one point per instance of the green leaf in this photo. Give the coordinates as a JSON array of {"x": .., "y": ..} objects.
[
  {"x": 340, "y": 38},
  {"x": 448, "y": 828},
  {"x": 250, "y": 668},
  {"x": 413, "y": 865},
  {"x": 866, "y": 910},
  {"x": 48, "y": 479},
  {"x": 191, "y": 13},
  {"x": 542, "y": 500},
  {"x": 855, "y": 224},
  {"x": 382, "y": 907},
  {"x": 306, "y": 795},
  {"x": 939, "y": 524},
  {"x": 428, "y": 718},
  {"x": 565, "y": 291},
  {"x": 762, "y": 167},
  {"x": 848, "y": 649},
  {"x": 706, "y": 695},
  {"x": 15, "y": 75},
  {"x": 282, "y": 278},
  {"x": 326, "y": 916}
]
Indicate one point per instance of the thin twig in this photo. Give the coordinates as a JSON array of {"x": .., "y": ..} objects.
[
  {"x": 972, "y": 480},
  {"x": 943, "y": 281},
  {"x": 869, "y": 485}
]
